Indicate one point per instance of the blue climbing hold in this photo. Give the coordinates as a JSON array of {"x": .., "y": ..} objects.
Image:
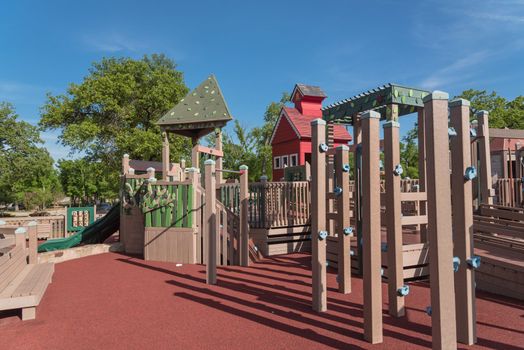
[
  {"x": 338, "y": 191},
  {"x": 452, "y": 131},
  {"x": 348, "y": 231},
  {"x": 384, "y": 246},
  {"x": 345, "y": 168},
  {"x": 474, "y": 262},
  {"x": 471, "y": 173},
  {"x": 322, "y": 235},
  {"x": 398, "y": 170},
  {"x": 323, "y": 148},
  {"x": 456, "y": 263},
  {"x": 429, "y": 310},
  {"x": 403, "y": 291},
  {"x": 473, "y": 132}
]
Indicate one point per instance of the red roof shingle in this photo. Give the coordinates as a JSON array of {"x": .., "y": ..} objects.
[{"x": 302, "y": 124}]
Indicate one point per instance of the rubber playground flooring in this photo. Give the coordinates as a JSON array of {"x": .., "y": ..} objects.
[{"x": 113, "y": 301}]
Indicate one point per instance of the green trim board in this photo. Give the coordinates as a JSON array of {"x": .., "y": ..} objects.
[
  {"x": 408, "y": 100},
  {"x": 199, "y": 113},
  {"x": 85, "y": 216}
]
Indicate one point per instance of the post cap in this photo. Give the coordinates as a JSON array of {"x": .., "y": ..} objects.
[
  {"x": 436, "y": 95},
  {"x": 192, "y": 170},
  {"x": 20, "y": 230},
  {"x": 32, "y": 223},
  {"x": 391, "y": 124},
  {"x": 318, "y": 121},
  {"x": 342, "y": 147},
  {"x": 209, "y": 162},
  {"x": 243, "y": 167},
  {"x": 263, "y": 178},
  {"x": 482, "y": 113},
  {"x": 459, "y": 102},
  {"x": 370, "y": 115},
  {"x": 150, "y": 169},
  {"x": 126, "y": 155},
  {"x": 2, "y": 222},
  {"x": 131, "y": 171}
]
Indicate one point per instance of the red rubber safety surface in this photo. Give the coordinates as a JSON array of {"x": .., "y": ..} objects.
[{"x": 112, "y": 301}]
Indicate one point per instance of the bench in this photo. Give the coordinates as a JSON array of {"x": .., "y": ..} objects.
[{"x": 22, "y": 285}]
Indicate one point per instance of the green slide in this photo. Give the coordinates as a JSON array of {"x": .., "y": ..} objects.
[{"x": 97, "y": 232}]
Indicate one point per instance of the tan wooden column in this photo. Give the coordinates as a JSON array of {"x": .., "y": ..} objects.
[
  {"x": 357, "y": 140},
  {"x": 422, "y": 170},
  {"x": 318, "y": 215},
  {"x": 330, "y": 178},
  {"x": 195, "y": 156},
  {"x": 218, "y": 147},
  {"x": 393, "y": 214},
  {"x": 443, "y": 322},
  {"x": 166, "y": 163},
  {"x": 371, "y": 235},
  {"x": 193, "y": 177},
  {"x": 125, "y": 164},
  {"x": 462, "y": 200},
  {"x": 244, "y": 225},
  {"x": 32, "y": 233},
  {"x": 344, "y": 229},
  {"x": 210, "y": 219},
  {"x": 485, "y": 158}
]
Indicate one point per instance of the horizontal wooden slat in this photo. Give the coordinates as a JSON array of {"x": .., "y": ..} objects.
[{"x": 414, "y": 220}]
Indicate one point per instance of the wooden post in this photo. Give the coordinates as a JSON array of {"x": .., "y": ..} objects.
[
  {"x": 485, "y": 158},
  {"x": 166, "y": 163},
  {"x": 443, "y": 322},
  {"x": 218, "y": 147},
  {"x": 210, "y": 219},
  {"x": 318, "y": 215},
  {"x": 125, "y": 164},
  {"x": 343, "y": 221},
  {"x": 423, "y": 228},
  {"x": 371, "y": 235},
  {"x": 193, "y": 177},
  {"x": 33, "y": 242},
  {"x": 462, "y": 200},
  {"x": 393, "y": 214},
  {"x": 150, "y": 172},
  {"x": 330, "y": 178},
  {"x": 357, "y": 195},
  {"x": 195, "y": 160},
  {"x": 244, "y": 225}
]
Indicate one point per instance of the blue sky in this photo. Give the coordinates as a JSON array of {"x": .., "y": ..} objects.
[{"x": 258, "y": 49}]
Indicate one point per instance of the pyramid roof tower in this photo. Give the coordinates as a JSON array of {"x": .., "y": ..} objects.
[{"x": 199, "y": 113}]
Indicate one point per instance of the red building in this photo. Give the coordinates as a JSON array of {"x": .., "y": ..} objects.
[{"x": 291, "y": 139}]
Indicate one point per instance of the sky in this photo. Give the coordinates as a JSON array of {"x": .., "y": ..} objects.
[{"x": 259, "y": 49}]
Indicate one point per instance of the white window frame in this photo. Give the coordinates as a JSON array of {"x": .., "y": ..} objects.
[
  {"x": 277, "y": 160},
  {"x": 285, "y": 164},
  {"x": 295, "y": 156}
]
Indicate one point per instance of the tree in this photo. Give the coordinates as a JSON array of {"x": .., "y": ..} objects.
[
  {"x": 409, "y": 153},
  {"x": 115, "y": 109},
  {"x": 262, "y": 135},
  {"x": 26, "y": 169},
  {"x": 502, "y": 113}
]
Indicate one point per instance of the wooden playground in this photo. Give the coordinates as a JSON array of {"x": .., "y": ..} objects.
[{"x": 433, "y": 241}]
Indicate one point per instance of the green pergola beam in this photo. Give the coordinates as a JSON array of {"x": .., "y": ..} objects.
[{"x": 407, "y": 99}]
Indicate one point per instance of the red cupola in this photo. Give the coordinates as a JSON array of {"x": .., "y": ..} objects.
[{"x": 308, "y": 99}]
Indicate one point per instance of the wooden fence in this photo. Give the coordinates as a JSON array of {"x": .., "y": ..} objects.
[
  {"x": 509, "y": 193},
  {"x": 47, "y": 226}
]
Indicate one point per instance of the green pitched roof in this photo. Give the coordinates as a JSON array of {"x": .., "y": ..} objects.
[{"x": 199, "y": 113}]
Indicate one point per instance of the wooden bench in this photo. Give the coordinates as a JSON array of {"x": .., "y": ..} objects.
[{"x": 22, "y": 285}]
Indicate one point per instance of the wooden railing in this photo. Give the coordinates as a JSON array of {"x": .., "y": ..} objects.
[
  {"x": 508, "y": 192},
  {"x": 47, "y": 226}
]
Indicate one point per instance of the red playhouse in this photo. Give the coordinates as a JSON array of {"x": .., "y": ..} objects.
[{"x": 291, "y": 139}]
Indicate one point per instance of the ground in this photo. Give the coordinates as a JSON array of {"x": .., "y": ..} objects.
[{"x": 113, "y": 301}]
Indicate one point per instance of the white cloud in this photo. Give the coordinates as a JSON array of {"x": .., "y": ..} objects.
[{"x": 112, "y": 43}]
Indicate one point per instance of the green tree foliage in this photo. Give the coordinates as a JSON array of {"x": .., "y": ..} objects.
[
  {"x": 409, "y": 153},
  {"x": 502, "y": 112},
  {"x": 114, "y": 111},
  {"x": 26, "y": 169}
]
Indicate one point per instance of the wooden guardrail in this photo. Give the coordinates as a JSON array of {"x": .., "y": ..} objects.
[{"x": 509, "y": 192}]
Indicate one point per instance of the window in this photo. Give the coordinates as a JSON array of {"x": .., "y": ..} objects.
[
  {"x": 285, "y": 162},
  {"x": 293, "y": 159},
  {"x": 277, "y": 164}
]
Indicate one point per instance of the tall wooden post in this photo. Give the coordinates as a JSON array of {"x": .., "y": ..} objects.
[
  {"x": 244, "y": 225},
  {"x": 357, "y": 195},
  {"x": 485, "y": 158},
  {"x": 218, "y": 147},
  {"x": 193, "y": 177},
  {"x": 443, "y": 322},
  {"x": 344, "y": 229},
  {"x": 125, "y": 164},
  {"x": 33, "y": 242},
  {"x": 318, "y": 215},
  {"x": 166, "y": 163},
  {"x": 330, "y": 177},
  {"x": 421, "y": 125},
  {"x": 210, "y": 219},
  {"x": 393, "y": 213},
  {"x": 195, "y": 156},
  {"x": 371, "y": 235},
  {"x": 462, "y": 200}
]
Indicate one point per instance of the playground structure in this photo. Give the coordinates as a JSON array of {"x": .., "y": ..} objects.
[{"x": 190, "y": 215}]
